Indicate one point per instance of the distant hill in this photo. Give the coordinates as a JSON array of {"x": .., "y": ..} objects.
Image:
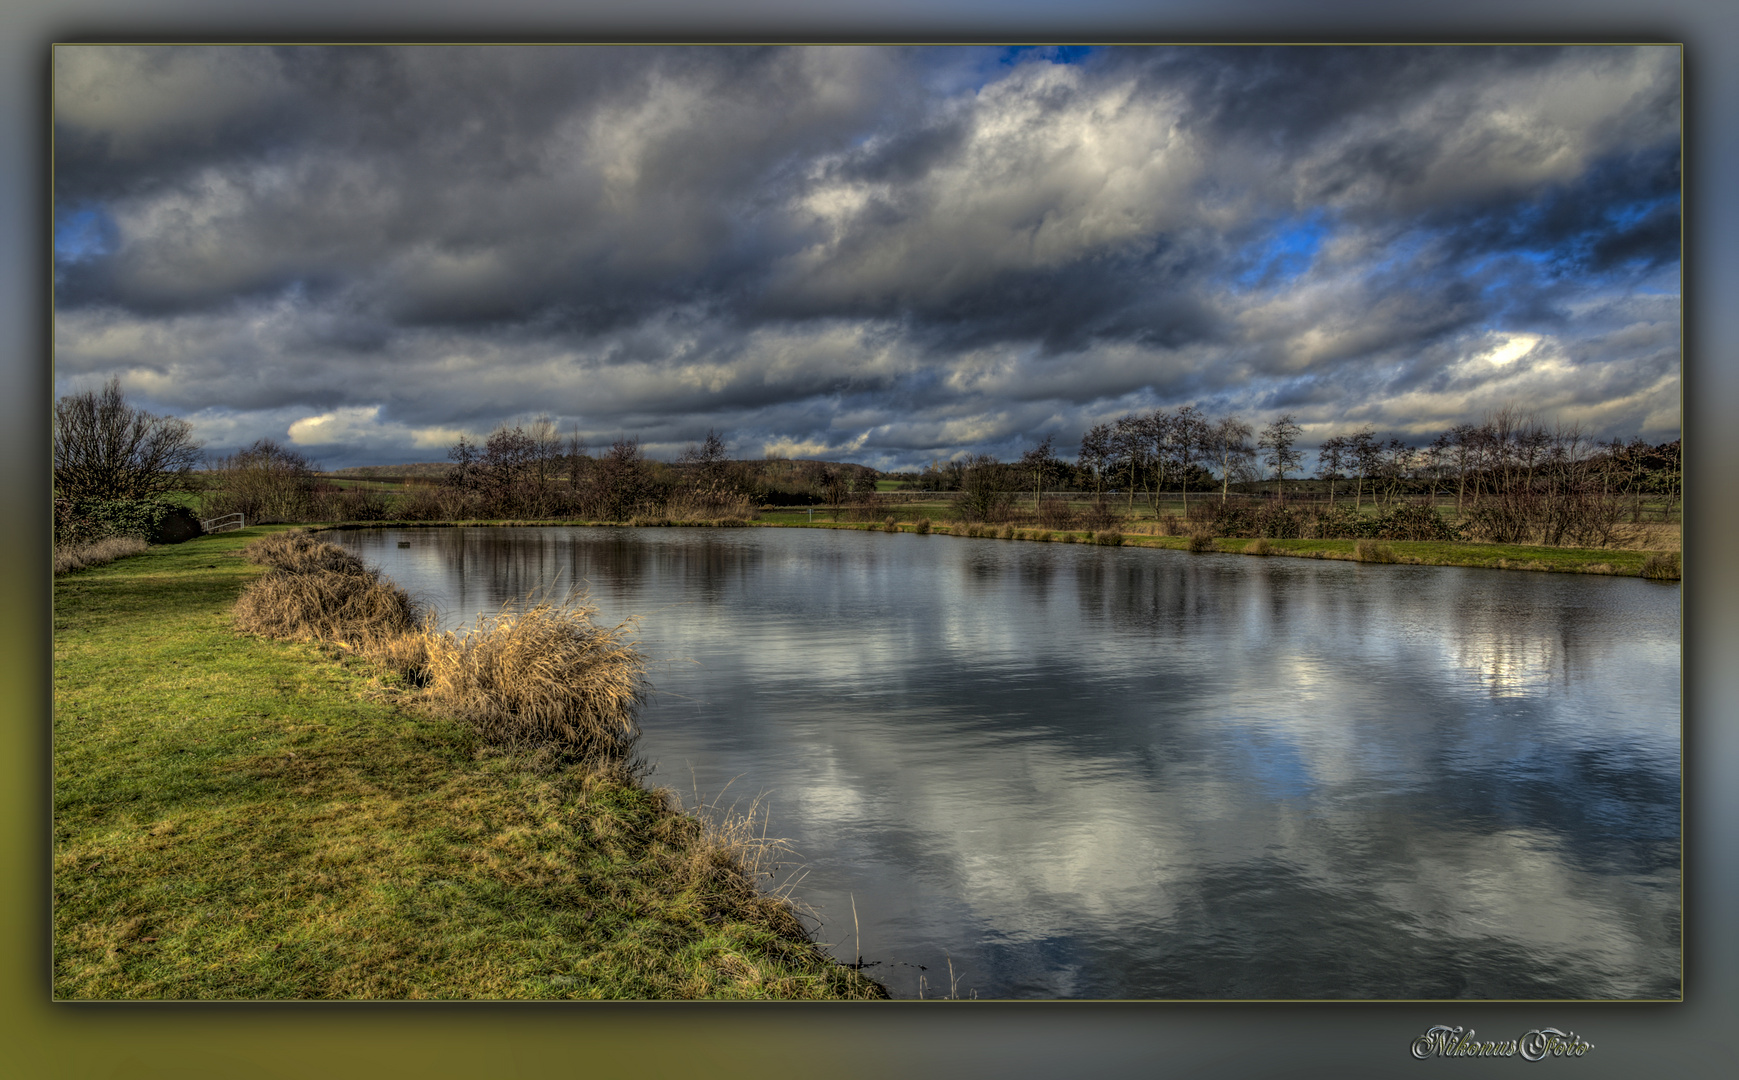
[{"x": 421, "y": 470}]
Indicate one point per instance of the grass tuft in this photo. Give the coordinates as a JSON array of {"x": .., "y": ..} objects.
[
  {"x": 72, "y": 557},
  {"x": 542, "y": 674},
  {"x": 923, "y": 528},
  {"x": 1369, "y": 551},
  {"x": 298, "y": 552},
  {"x": 1662, "y": 566},
  {"x": 1258, "y": 546},
  {"x": 1200, "y": 542},
  {"x": 325, "y": 605},
  {"x": 1108, "y": 538}
]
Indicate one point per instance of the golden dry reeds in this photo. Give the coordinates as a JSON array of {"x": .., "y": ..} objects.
[
  {"x": 326, "y": 605},
  {"x": 297, "y": 552},
  {"x": 72, "y": 557},
  {"x": 541, "y": 674}
]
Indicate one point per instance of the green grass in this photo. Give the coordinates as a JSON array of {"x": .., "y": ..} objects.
[
  {"x": 1607, "y": 561},
  {"x": 243, "y": 818}
]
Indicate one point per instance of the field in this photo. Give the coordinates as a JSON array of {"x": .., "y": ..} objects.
[{"x": 240, "y": 818}]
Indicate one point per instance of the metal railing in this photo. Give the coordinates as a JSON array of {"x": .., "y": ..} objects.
[{"x": 224, "y": 523}]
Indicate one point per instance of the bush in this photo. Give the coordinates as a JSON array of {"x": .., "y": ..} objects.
[
  {"x": 1410, "y": 522},
  {"x": 1108, "y": 538},
  {"x": 923, "y": 528},
  {"x": 1055, "y": 514},
  {"x": 356, "y": 504},
  {"x": 1200, "y": 542},
  {"x": 1099, "y": 516},
  {"x": 1005, "y": 533},
  {"x": 1662, "y": 566},
  {"x": 1372, "y": 552},
  {"x": 543, "y": 675},
  {"x": 297, "y": 552},
  {"x": 325, "y": 605},
  {"x": 1258, "y": 546},
  {"x": 154, "y": 520}
]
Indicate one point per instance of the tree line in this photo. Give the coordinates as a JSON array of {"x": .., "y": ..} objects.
[{"x": 1511, "y": 477}]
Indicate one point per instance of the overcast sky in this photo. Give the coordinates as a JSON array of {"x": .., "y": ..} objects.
[{"x": 864, "y": 254}]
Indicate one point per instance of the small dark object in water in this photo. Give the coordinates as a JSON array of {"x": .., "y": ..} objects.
[{"x": 404, "y": 543}]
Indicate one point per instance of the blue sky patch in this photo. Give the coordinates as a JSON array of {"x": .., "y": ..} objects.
[{"x": 83, "y": 234}]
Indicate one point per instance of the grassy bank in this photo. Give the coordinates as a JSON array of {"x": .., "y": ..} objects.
[
  {"x": 237, "y": 817},
  {"x": 1621, "y": 562},
  {"x": 1606, "y": 561}
]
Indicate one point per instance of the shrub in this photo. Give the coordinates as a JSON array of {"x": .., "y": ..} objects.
[
  {"x": 1662, "y": 566},
  {"x": 890, "y": 524},
  {"x": 1005, "y": 533},
  {"x": 1277, "y": 520},
  {"x": 297, "y": 552},
  {"x": 325, "y": 605},
  {"x": 1410, "y": 522},
  {"x": 154, "y": 520},
  {"x": 1108, "y": 538},
  {"x": 923, "y": 528},
  {"x": 1258, "y": 546},
  {"x": 1099, "y": 516},
  {"x": 1339, "y": 523},
  {"x": 356, "y": 504},
  {"x": 1200, "y": 542},
  {"x": 542, "y": 674},
  {"x": 1055, "y": 514},
  {"x": 1372, "y": 552}
]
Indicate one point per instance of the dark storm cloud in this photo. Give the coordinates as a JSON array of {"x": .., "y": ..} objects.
[{"x": 897, "y": 252}]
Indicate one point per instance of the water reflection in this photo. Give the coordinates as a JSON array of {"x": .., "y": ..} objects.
[{"x": 1097, "y": 772}]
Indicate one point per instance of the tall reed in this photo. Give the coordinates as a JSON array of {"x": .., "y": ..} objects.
[{"x": 542, "y": 674}]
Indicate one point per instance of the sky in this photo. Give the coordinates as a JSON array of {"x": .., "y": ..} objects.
[{"x": 882, "y": 255}]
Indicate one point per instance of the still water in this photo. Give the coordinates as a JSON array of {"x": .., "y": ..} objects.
[{"x": 1080, "y": 772}]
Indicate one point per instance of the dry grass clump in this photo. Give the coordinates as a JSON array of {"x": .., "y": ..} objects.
[
  {"x": 890, "y": 524},
  {"x": 326, "y": 605},
  {"x": 1108, "y": 538},
  {"x": 1663, "y": 566},
  {"x": 1372, "y": 552},
  {"x": 543, "y": 675},
  {"x": 923, "y": 528},
  {"x": 1005, "y": 533},
  {"x": 1200, "y": 542},
  {"x": 297, "y": 552},
  {"x": 78, "y": 556},
  {"x": 1258, "y": 546}
]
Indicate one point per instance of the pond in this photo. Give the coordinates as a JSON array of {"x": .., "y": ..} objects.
[{"x": 1084, "y": 772}]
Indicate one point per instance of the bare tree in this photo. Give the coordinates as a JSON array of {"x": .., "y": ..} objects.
[
  {"x": 1279, "y": 438},
  {"x": 1192, "y": 437},
  {"x": 1232, "y": 443},
  {"x": 622, "y": 479},
  {"x": 1365, "y": 454},
  {"x": 986, "y": 490},
  {"x": 1096, "y": 454},
  {"x": 265, "y": 482},
  {"x": 1039, "y": 463},
  {"x": 1130, "y": 440},
  {"x": 1330, "y": 456},
  {"x": 105, "y": 448}
]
